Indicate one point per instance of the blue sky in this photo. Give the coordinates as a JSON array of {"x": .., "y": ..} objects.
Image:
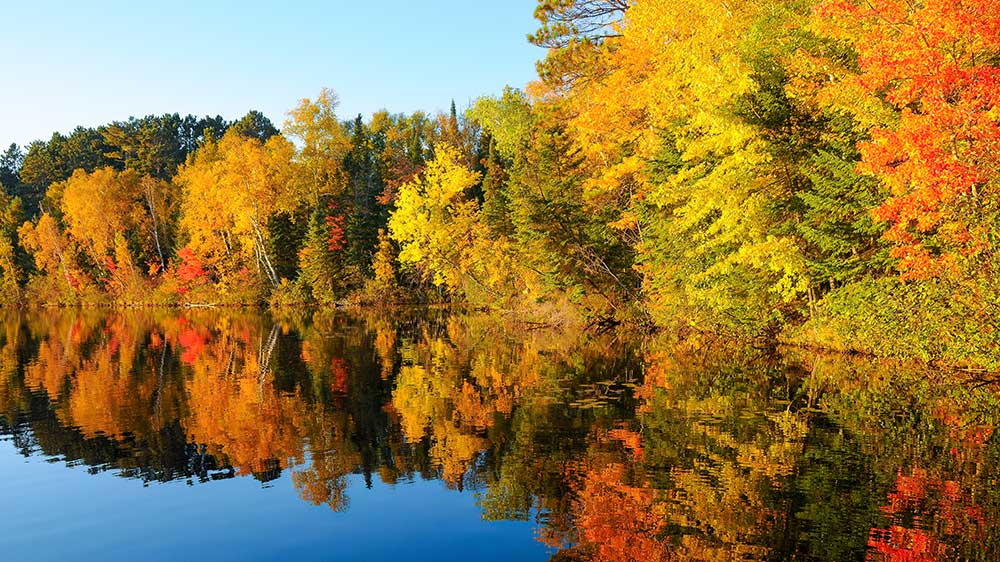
[{"x": 65, "y": 64}]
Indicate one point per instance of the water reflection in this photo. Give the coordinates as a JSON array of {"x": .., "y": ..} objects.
[{"x": 617, "y": 447}]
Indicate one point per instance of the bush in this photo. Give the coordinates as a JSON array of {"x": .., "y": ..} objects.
[{"x": 936, "y": 320}]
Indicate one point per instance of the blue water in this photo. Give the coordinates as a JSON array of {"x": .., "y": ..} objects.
[{"x": 54, "y": 512}]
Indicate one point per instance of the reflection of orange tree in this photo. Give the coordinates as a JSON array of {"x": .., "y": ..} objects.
[
  {"x": 929, "y": 512},
  {"x": 112, "y": 383},
  {"x": 110, "y": 389},
  {"x": 107, "y": 396},
  {"x": 701, "y": 480},
  {"x": 61, "y": 336},
  {"x": 913, "y": 493},
  {"x": 235, "y": 409},
  {"x": 233, "y": 406},
  {"x": 333, "y": 456},
  {"x": 104, "y": 377},
  {"x": 622, "y": 522},
  {"x": 926, "y": 435}
]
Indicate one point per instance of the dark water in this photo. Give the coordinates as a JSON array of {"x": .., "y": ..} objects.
[{"x": 221, "y": 435}]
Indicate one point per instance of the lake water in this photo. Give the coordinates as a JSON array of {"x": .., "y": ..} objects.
[{"x": 427, "y": 435}]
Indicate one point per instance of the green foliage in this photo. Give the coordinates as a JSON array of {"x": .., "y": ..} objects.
[
  {"x": 254, "y": 125},
  {"x": 560, "y": 236},
  {"x": 365, "y": 216},
  {"x": 323, "y": 274},
  {"x": 941, "y": 320},
  {"x": 10, "y": 169},
  {"x": 508, "y": 120}
]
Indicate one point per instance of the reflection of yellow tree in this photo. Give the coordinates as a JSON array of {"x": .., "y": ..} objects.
[
  {"x": 333, "y": 456},
  {"x": 426, "y": 402},
  {"x": 454, "y": 384},
  {"x": 12, "y": 396}
]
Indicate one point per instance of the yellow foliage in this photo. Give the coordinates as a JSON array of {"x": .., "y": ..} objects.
[{"x": 231, "y": 188}]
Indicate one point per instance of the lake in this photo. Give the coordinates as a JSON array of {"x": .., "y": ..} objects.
[{"x": 434, "y": 435}]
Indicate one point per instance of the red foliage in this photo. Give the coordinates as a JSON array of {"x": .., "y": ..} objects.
[
  {"x": 336, "y": 236},
  {"x": 399, "y": 173},
  {"x": 897, "y": 544},
  {"x": 191, "y": 271},
  {"x": 193, "y": 342},
  {"x": 944, "y": 507}
]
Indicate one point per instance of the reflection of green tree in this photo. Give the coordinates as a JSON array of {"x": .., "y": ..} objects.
[{"x": 749, "y": 458}]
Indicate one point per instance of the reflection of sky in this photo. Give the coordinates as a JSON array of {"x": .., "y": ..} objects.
[{"x": 52, "y": 512}]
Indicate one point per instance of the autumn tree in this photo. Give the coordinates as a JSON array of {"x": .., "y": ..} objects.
[
  {"x": 324, "y": 144},
  {"x": 231, "y": 188},
  {"x": 60, "y": 277},
  {"x": 935, "y": 64},
  {"x": 439, "y": 229},
  {"x": 15, "y": 263}
]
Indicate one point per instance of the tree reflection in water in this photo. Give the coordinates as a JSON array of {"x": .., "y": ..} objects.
[{"x": 618, "y": 447}]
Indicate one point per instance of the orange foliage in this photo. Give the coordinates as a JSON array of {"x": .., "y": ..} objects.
[
  {"x": 620, "y": 520},
  {"x": 932, "y": 62},
  {"x": 191, "y": 270}
]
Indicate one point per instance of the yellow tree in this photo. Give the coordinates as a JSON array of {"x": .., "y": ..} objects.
[
  {"x": 323, "y": 144},
  {"x": 231, "y": 188},
  {"x": 436, "y": 223},
  {"x": 655, "y": 109},
  {"x": 61, "y": 277},
  {"x": 106, "y": 210},
  {"x": 98, "y": 206}
]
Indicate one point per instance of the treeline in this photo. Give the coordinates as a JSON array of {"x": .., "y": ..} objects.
[
  {"x": 825, "y": 172},
  {"x": 171, "y": 210}
]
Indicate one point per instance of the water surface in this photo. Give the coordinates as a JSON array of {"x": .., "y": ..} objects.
[{"x": 236, "y": 435}]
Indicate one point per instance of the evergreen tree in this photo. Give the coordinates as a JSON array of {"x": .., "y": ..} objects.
[
  {"x": 10, "y": 169},
  {"x": 323, "y": 271},
  {"x": 255, "y": 125},
  {"x": 495, "y": 200},
  {"x": 365, "y": 185}
]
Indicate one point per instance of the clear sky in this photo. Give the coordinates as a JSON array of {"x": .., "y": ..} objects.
[{"x": 64, "y": 64}]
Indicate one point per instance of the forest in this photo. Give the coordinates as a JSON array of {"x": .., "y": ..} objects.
[{"x": 823, "y": 174}]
